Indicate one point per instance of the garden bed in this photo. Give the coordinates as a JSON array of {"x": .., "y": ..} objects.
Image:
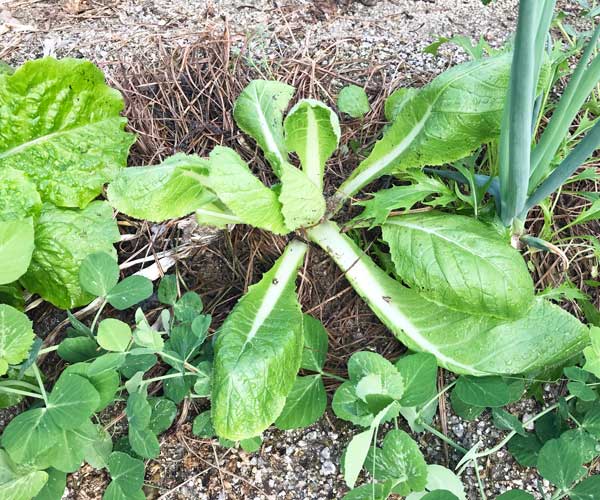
[{"x": 180, "y": 68}]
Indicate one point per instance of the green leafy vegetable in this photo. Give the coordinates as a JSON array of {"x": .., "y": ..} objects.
[
  {"x": 258, "y": 352},
  {"x": 62, "y": 117},
  {"x": 19, "y": 482},
  {"x": 16, "y": 337}
]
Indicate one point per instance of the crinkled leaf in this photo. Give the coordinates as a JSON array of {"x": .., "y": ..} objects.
[
  {"x": 160, "y": 192},
  {"x": 459, "y": 262},
  {"x": 399, "y": 460},
  {"x": 353, "y": 101},
  {"x": 63, "y": 239},
  {"x": 18, "y": 482},
  {"x": 258, "y": 352},
  {"x": 16, "y": 248},
  {"x": 19, "y": 198},
  {"x": 16, "y": 337},
  {"x": 258, "y": 111},
  {"x": 444, "y": 121},
  {"x": 99, "y": 273},
  {"x": 62, "y": 117},
  {"x": 305, "y": 404},
  {"x": 312, "y": 131},
  {"x": 316, "y": 343}
]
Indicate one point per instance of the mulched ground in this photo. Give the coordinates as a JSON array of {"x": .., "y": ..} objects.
[{"x": 180, "y": 66}]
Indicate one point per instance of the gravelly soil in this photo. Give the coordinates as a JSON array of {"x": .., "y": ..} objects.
[{"x": 301, "y": 464}]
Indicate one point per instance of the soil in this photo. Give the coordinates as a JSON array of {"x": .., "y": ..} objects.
[{"x": 180, "y": 64}]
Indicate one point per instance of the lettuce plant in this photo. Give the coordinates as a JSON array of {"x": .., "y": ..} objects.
[
  {"x": 61, "y": 139},
  {"x": 458, "y": 289}
]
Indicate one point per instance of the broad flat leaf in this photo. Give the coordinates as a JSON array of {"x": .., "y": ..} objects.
[
  {"x": 440, "y": 478},
  {"x": 459, "y": 262},
  {"x": 423, "y": 189},
  {"x": 258, "y": 352},
  {"x": 507, "y": 421},
  {"x": 576, "y": 373},
  {"x": 29, "y": 435},
  {"x": 592, "y": 353},
  {"x": 167, "y": 289},
  {"x": 99, "y": 446},
  {"x": 464, "y": 410},
  {"x": 163, "y": 414},
  {"x": 70, "y": 448},
  {"x": 302, "y": 201},
  {"x": 72, "y": 401},
  {"x": 348, "y": 406},
  {"x": 586, "y": 490},
  {"x": 54, "y": 487},
  {"x": 160, "y": 192},
  {"x": 582, "y": 391},
  {"x": 202, "y": 426},
  {"x": 305, "y": 404},
  {"x": 370, "y": 491},
  {"x": 440, "y": 495},
  {"x": 203, "y": 379},
  {"x": 127, "y": 476},
  {"x": 78, "y": 349},
  {"x": 113, "y": 335},
  {"x": 106, "y": 383},
  {"x": 143, "y": 442},
  {"x": 63, "y": 118},
  {"x": 258, "y": 111},
  {"x": 188, "y": 307},
  {"x": 358, "y": 448},
  {"x": 60, "y": 116},
  {"x": 316, "y": 343},
  {"x": 18, "y": 482},
  {"x": 583, "y": 441},
  {"x": 176, "y": 389},
  {"x": 483, "y": 391},
  {"x": 138, "y": 410},
  {"x": 591, "y": 420},
  {"x": 130, "y": 291},
  {"x": 16, "y": 337},
  {"x": 353, "y": 101},
  {"x": 444, "y": 121},
  {"x": 419, "y": 372},
  {"x": 560, "y": 462},
  {"x": 241, "y": 192},
  {"x": 546, "y": 335},
  {"x": 399, "y": 460},
  {"x": 19, "y": 198},
  {"x": 516, "y": 495},
  {"x": 63, "y": 239},
  {"x": 312, "y": 131},
  {"x": 106, "y": 363},
  {"x": 16, "y": 248},
  {"x": 12, "y": 294},
  {"x": 99, "y": 273},
  {"x": 252, "y": 444},
  {"x": 184, "y": 342}
]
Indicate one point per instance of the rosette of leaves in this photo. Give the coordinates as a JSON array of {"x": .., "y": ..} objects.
[{"x": 61, "y": 139}]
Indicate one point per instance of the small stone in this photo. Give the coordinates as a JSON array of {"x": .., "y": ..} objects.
[
  {"x": 326, "y": 453},
  {"x": 328, "y": 468}
]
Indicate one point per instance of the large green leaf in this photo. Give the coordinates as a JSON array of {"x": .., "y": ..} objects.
[
  {"x": 241, "y": 192},
  {"x": 18, "y": 482},
  {"x": 305, "y": 404},
  {"x": 259, "y": 111},
  {"x": 460, "y": 262},
  {"x": 63, "y": 239},
  {"x": 16, "y": 337},
  {"x": 465, "y": 343},
  {"x": 160, "y": 192},
  {"x": 127, "y": 476},
  {"x": 258, "y": 352},
  {"x": 59, "y": 117},
  {"x": 445, "y": 121},
  {"x": 19, "y": 198},
  {"x": 312, "y": 131}
]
